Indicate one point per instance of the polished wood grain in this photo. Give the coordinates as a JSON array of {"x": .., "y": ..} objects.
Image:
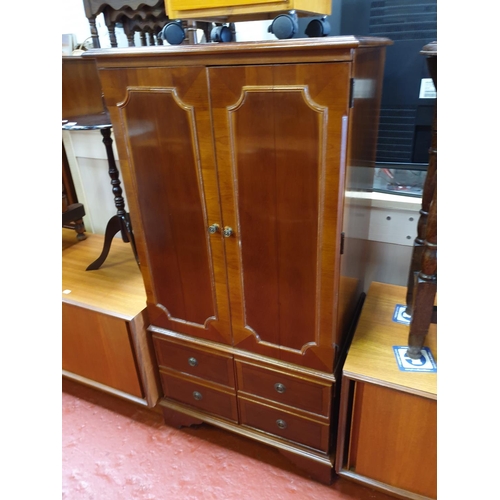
[
  {"x": 312, "y": 460},
  {"x": 116, "y": 288},
  {"x": 104, "y": 320},
  {"x": 405, "y": 427},
  {"x": 199, "y": 362},
  {"x": 277, "y": 201},
  {"x": 375, "y": 336},
  {"x": 296, "y": 50},
  {"x": 387, "y": 417},
  {"x": 168, "y": 190},
  {"x": 264, "y": 134},
  {"x": 199, "y": 394},
  {"x": 300, "y": 392},
  {"x": 97, "y": 346},
  {"x": 237, "y": 10},
  {"x": 279, "y": 176},
  {"x": 287, "y": 424},
  {"x": 81, "y": 88},
  {"x": 183, "y": 265}
]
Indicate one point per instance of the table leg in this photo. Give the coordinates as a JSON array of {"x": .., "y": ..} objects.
[
  {"x": 424, "y": 293},
  {"x": 120, "y": 221}
]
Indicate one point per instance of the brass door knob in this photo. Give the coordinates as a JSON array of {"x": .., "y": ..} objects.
[
  {"x": 228, "y": 231},
  {"x": 213, "y": 228}
]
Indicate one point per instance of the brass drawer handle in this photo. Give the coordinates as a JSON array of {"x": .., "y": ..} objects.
[
  {"x": 280, "y": 388},
  {"x": 281, "y": 424},
  {"x": 193, "y": 362},
  {"x": 197, "y": 395}
]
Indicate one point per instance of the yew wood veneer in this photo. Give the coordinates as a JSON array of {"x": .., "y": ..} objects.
[
  {"x": 104, "y": 320},
  {"x": 388, "y": 417},
  {"x": 235, "y": 159}
]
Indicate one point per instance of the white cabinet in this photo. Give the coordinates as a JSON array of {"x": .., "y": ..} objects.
[{"x": 89, "y": 168}]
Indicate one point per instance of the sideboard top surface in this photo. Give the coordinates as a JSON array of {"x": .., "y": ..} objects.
[
  {"x": 371, "y": 357},
  {"x": 116, "y": 288},
  {"x": 332, "y": 48}
]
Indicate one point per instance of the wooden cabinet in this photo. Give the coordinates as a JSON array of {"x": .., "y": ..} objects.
[
  {"x": 104, "y": 321},
  {"x": 235, "y": 158},
  {"x": 388, "y": 418}
]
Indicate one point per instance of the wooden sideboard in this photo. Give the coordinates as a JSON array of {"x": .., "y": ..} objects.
[
  {"x": 388, "y": 418},
  {"x": 81, "y": 89},
  {"x": 235, "y": 158},
  {"x": 104, "y": 320}
]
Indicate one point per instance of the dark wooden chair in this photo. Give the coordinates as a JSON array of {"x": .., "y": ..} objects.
[
  {"x": 72, "y": 216},
  {"x": 72, "y": 211},
  {"x": 422, "y": 278},
  {"x": 147, "y": 17}
]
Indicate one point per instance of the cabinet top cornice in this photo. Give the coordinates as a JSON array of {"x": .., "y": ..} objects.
[{"x": 295, "y": 49}]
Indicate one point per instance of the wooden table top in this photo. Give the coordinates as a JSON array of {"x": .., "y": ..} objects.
[
  {"x": 371, "y": 357},
  {"x": 116, "y": 288}
]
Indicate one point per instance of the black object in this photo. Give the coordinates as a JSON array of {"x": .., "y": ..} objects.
[
  {"x": 221, "y": 34},
  {"x": 318, "y": 28},
  {"x": 173, "y": 33},
  {"x": 406, "y": 118},
  {"x": 284, "y": 25}
]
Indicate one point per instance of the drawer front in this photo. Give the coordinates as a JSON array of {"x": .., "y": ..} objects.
[
  {"x": 285, "y": 424},
  {"x": 284, "y": 388},
  {"x": 216, "y": 367},
  {"x": 191, "y": 392}
]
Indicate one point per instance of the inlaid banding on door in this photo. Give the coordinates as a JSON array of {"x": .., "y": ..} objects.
[
  {"x": 164, "y": 152},
  {"x": 278, "y": 171}
]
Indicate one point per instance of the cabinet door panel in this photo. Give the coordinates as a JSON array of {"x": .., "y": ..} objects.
[
  {"x": 167, "y": 125},
  {"x": 277, "y": 181},
  {"x": 280, "y": 177}
]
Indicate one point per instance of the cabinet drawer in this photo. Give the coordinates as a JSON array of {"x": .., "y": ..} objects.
[
  {"x": 192, "y": 392},
  {"x": 284, "y": 388},
  {"x": 285, "y": 424},
  {"x": 209, "y": 365}
]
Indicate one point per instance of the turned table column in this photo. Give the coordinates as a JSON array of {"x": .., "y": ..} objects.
[
  {"x": 120, "y": 221},
  {"x": 422, "y": 278}
]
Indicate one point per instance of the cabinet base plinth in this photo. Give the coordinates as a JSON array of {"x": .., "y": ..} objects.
[{"x": 318, "y": 465}]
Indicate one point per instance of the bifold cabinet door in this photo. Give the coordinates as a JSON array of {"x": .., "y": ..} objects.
[
  {"x": 164, "y": 117},
  {"x": 280, "y": 134}
]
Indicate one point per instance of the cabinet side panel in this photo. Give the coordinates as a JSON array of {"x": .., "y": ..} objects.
[
  {"x": 97, "y": 346},
  {"x": 368, "y": 70},
  {"x": 396, "y": 437}
]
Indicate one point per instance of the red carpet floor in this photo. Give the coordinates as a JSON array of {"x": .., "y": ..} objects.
[{"x": 117, "y": 450}]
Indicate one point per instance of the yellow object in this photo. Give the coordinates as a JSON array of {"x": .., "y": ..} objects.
[{"x": 241, "y": 10}]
